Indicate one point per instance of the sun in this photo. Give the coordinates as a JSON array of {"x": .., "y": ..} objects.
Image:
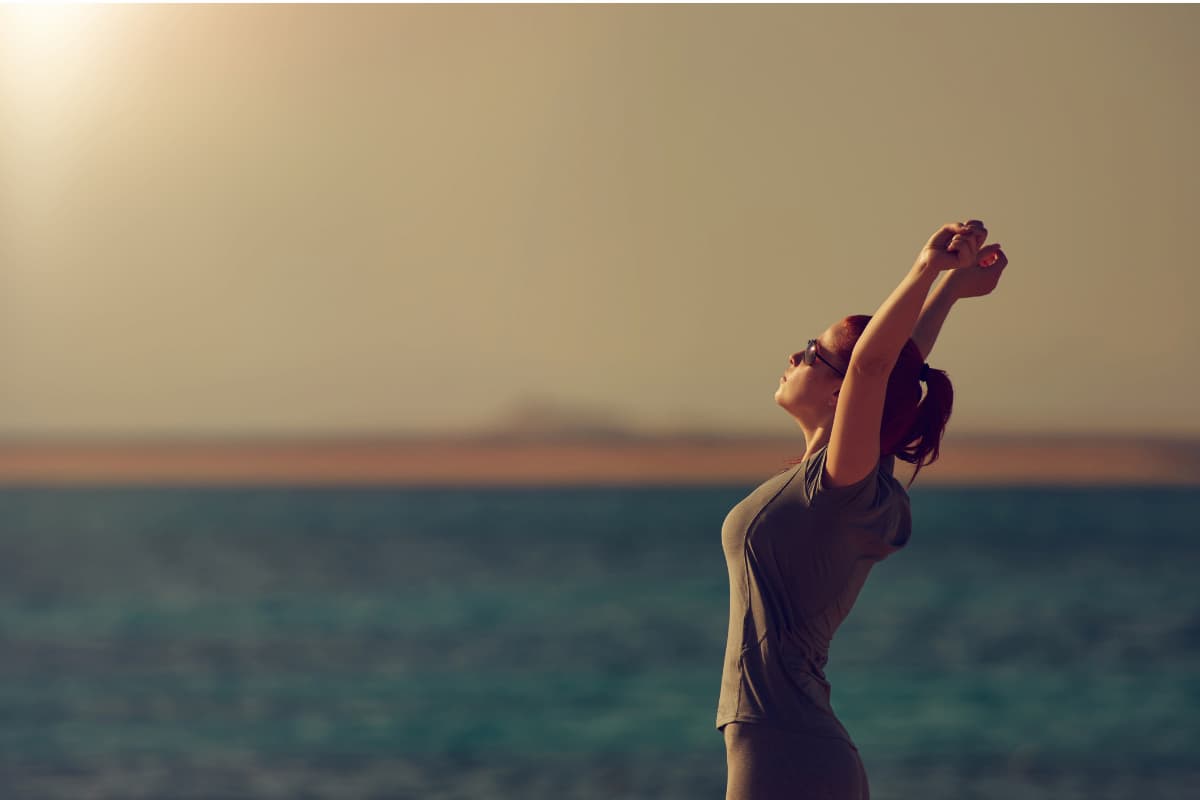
[{"x": 46, "y": 49}]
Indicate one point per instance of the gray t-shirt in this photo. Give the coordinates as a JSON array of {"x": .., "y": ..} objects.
[{"x": 798, "y": 554}]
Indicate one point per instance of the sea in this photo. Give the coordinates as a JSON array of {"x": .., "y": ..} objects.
[{"x": 375, "y": 642}]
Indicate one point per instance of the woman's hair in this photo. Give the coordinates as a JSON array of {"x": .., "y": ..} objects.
[{"x": 912, "y": 426}]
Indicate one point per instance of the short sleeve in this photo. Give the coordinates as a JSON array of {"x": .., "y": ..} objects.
[
  {"x": 859, "y": 495},
  {"x": 875, "y": 510}
]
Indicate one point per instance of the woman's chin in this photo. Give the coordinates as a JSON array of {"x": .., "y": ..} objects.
[{"x": 787, "y": 402}]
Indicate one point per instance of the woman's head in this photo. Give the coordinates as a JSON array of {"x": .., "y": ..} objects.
[{"x": 912, "y": 426}]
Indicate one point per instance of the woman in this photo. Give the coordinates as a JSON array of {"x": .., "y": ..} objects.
[{"x": 800, "y": 546}]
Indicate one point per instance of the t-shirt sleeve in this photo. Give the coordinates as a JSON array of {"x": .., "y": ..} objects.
[
  {"x": 861, "y": 495},
  {"x": 874, "y": 504}
]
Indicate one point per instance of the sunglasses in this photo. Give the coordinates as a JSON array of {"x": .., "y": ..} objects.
[{"x": 811, "y": 354}]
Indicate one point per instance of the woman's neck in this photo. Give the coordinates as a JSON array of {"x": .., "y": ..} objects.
[{"x": 815, "y": 437}]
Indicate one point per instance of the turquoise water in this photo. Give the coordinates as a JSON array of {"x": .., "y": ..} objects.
[{"x": 568, "y": 643}]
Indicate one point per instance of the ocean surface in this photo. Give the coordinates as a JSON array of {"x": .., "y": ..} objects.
[{"x": 567, "y": 643}]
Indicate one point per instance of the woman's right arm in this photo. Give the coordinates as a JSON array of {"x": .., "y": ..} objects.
[{"x": 853, "y": 450}]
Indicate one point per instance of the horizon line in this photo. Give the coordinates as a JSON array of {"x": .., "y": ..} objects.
[{"x": 566, "y": 436}]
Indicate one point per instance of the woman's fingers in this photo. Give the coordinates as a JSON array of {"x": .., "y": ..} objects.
[
  {"x": 989, "y": 255},
  {"x": 960, "y": 244},
  {"x": 940, "y": 241},
  {"x": 978, "y": 230},
  {"x": 966, "y": 245}
]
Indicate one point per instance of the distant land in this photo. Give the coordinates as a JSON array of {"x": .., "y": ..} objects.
[{"x": 573, "y": 458}]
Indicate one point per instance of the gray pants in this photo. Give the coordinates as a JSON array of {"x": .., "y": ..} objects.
[{"x": 767, "y": 763}]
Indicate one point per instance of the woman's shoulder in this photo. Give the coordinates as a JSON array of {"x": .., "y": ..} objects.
[{"x": 876, "y": 488}]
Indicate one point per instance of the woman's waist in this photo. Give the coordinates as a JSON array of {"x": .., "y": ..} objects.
[
  {"x": 776, "y": 674},
  {"x": 825, "y": 725},
  {"x": 794, "y": 652}
]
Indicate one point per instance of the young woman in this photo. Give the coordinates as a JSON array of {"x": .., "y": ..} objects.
[{"x": 800, "y": 546}]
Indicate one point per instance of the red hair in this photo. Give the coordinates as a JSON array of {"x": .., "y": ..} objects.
[{"x": 912, "y": 426}]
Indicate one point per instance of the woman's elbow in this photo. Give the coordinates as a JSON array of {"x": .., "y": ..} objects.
[{"x": 871, "y": 367}]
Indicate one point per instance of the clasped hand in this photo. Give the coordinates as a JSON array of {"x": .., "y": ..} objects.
[{"x": 958, "y": 247}]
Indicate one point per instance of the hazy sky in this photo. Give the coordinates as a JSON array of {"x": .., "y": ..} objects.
[{"x": 273, "y": 219}]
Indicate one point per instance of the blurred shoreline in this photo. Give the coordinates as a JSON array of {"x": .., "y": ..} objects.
[{"x": 633, "y": 459}]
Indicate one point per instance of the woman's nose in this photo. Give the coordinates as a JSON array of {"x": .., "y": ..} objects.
[{"x": 793, "y": 360}]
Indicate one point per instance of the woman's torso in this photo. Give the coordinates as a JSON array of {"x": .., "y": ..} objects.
[{"x": 798, "y": 554}]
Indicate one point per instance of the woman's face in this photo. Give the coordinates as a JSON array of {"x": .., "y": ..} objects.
[{"x": 810, "y": 387}]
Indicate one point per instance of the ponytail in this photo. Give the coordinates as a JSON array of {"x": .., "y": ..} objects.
[
  {"x": 912, "y": 426},
  {"x": 921, "y": 443}
]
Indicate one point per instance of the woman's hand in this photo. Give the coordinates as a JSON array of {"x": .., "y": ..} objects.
[
  {"x": 955, "y": 246},
  {"x": 978, "y": 280}
]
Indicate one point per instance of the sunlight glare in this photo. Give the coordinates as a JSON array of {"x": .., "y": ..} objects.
[{"x": 45, "y": 49}]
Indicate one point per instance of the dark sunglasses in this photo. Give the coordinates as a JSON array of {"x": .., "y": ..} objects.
[{"x": 810, "y": 353}]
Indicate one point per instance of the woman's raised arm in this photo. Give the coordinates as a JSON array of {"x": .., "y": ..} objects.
[{"x": 853, "y": 450}]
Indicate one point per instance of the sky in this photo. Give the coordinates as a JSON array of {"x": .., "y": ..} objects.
[{"x": 388, "y": 220}]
